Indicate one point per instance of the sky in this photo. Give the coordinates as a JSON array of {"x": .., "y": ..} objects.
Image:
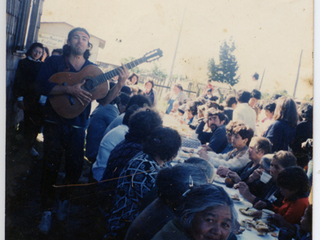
[{"x": 269, "y": 35}]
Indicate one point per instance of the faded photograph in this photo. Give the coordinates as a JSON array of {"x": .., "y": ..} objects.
[{"x": 159, "y": 119}]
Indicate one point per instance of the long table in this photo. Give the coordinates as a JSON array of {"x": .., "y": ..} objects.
[{"x": 246, "y": 235}]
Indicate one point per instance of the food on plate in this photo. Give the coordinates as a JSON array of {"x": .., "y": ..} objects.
[
  {"x": 261, "y": 226},
  {"x": 247, "y": 211},
  {"x": 273, "y": 234},
  {"x": 235, "y": 197}
]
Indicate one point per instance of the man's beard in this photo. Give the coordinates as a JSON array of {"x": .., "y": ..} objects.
[{"x": 213, "y": 127}]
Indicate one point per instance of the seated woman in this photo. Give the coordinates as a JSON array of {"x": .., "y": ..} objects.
[
  {"x": 171, "y": 183},
  {"x": 151, "y": 93},
  {"x": 281, "y": 133},
  {"x": 268, "y": 195},
  {"x": 237, "y": 158},
  {"x": 257, "y": 148},
  {"x": 206, "y": 212},
  {"x": 138, "y": 177},
  {"x": 294, "y": 187},
  {"x": 191, "y": 116}
]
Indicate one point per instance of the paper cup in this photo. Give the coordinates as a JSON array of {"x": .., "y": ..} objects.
[
  {"x": 265, "y": 177},
  {"x": 265, "y": 214}
]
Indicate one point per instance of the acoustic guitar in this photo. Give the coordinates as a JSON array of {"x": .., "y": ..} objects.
[{"x": 96, "y": 82}]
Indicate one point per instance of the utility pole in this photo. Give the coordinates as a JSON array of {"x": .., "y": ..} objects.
[
  {"x": 175, "y": 52},
  {"x": 261, "y": 80},
  {"x": 295, "y": 87}
]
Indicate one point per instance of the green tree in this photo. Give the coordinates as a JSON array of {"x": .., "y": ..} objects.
[
  {"x": 226, "y": 70},
  {"x": 213, "y": 70},
  {"x": 161, "y": 73}
]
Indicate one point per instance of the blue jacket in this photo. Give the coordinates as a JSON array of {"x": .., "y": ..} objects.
[{"x": 218, "y": 141}]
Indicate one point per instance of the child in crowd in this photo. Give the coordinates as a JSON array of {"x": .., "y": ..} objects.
[{"x": 237, "y": 158}]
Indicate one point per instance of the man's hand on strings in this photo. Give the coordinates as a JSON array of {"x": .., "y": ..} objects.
[
  {"x": 123, "y": 75},
  {"x": 83, "y": 96}
]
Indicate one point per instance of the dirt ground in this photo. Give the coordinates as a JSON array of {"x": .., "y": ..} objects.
[{"x": 23, "y": 177}]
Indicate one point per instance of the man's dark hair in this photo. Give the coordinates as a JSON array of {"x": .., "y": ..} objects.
[
  {"x": 67, "y": 49},
  {"x": 231, "y": 100},
  {"x": 220, "y": 114},
  {"x": 256, "y": 94},
  {"x": 243, "y": 96},
  {"x": 143, "y": 122},
  {"x": 163, "y": 142},
  {"x": 33, "y": 46},
  {"x": 134, "y": 75},
  {"x": 256, "y": 76},
  {"x": 57, "y": 50}
]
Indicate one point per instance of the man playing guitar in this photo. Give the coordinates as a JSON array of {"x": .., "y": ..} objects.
[{"x": 66, "y": 135}]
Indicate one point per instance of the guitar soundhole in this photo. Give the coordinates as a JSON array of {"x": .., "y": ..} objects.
[{"x": 89, "y": 85}]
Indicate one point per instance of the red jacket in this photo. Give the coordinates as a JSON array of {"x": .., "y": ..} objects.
[{"x": 292, "y": 211}]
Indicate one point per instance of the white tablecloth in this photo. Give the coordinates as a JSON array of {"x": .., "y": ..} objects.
[{"x": 246, "y": 235}]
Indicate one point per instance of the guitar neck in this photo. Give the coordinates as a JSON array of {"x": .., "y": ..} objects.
[{"x": 108, "y": 75}]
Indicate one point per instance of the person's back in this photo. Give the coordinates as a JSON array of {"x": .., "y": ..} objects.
[
  {"x": 243, "y": 111},
  {"x": 171, "y": 182}
]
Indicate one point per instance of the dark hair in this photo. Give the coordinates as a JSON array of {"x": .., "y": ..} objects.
[
  {"x": 270, "y": 106},
  {"x": 33, "y": 46},
  {"x": 256, "y": 76},
  {"x": 292, "y": 179},
  {"x": 124, "y": 98},
  {"x": 286, "y": 110},
  {"x": 256, "y": 94},
  {"x": 128, "y": 113},
  {"x": 140, "y": 100},
  {"x": 275, "y": 96},
  {"x": 213, "y": 112},
  {"x": 231, "y": 100},
  {"x": 67, "y": 49},
  {"x": 244, "y": 131},
  {"x": 262, "y": 143},
  {"x": 203, "y": 197},
  {"x": 57, "y": 50},
  {"x": 232, "y": 124},
  {"x": 163, "y": 142},
  {"x": 143, "y": 122},
  {"x": 213, "y": 104},
  {"x": 150, "y": 81},
  {"x": 306, "y": 111},
  {"x": 193, "y": 107},
  {"x": 178, "y": 85},
  {"x": 134, "y": 75},
  {"x": 243, "y": 96},
  {"x": 206, "y": 167},
  {"x": 172, "y": 182},
  {"x": 285, "y": 158},
  {"x": 45, "y": 49}
]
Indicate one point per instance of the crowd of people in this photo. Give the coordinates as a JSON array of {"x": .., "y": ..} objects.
[{"x": 142, "y": 195}]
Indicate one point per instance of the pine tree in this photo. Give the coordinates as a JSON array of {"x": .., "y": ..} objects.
[{"x": 226, "y": 71}]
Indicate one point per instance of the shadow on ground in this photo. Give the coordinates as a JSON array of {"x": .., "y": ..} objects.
[{"x": 23, "y": 177}]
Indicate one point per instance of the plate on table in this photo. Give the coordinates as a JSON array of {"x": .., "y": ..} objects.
[
  {"x": 236, "y": 198},
  {"x": 248, "y": 211},
  {"x": 219, "y": 179}
]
